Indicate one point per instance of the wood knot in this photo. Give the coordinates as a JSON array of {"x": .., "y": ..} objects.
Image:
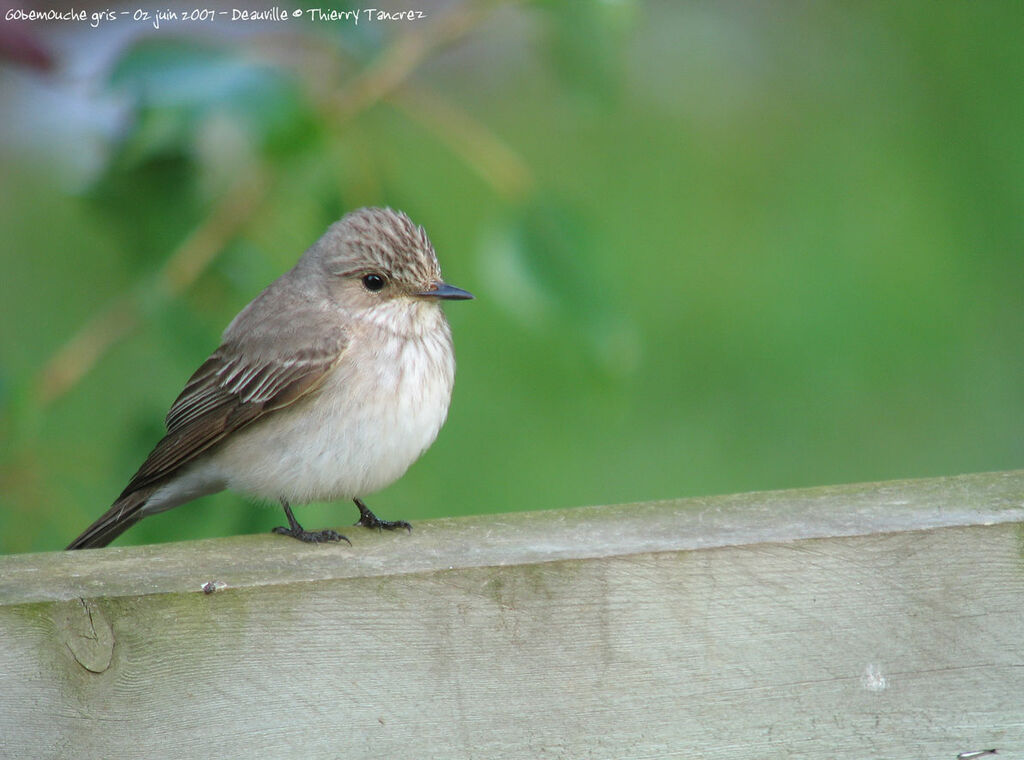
[{"x": 86, "y": 633}]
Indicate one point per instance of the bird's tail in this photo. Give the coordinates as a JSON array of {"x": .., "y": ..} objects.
[{"x": 124, "y": 513}]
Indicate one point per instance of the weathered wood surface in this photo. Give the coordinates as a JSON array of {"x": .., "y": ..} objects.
[{"x": 868, "y": 621}]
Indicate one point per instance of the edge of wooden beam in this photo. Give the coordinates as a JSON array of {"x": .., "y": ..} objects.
[{"x": 519, "y": 538}]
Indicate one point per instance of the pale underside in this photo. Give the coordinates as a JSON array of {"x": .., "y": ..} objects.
[{"x": 322, "y": 425}]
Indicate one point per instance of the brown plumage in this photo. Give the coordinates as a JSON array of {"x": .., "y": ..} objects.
[{"x": 279, "y": 350}]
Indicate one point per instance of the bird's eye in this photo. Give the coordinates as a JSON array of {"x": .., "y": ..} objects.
[{"x": 373, "y": 282}]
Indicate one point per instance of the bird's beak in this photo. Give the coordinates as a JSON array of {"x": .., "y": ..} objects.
[{"x": 447, "y": 292}]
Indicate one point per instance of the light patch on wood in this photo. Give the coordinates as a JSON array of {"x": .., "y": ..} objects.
[{"x": 873, "y": 680}]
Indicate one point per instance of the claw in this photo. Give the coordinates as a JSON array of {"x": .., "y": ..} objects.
[
  {"x": 368, "y": 519},
  {"x": 309, "y": 536},
  {"x": 312, "y": 536}
]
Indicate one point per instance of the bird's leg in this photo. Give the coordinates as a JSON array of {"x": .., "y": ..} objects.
[
  {"x": 309, "y": 536},
  {"x": 369, "y": 520}
]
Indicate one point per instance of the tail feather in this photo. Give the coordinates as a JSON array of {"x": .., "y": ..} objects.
[{"x": 122, "y": 515}]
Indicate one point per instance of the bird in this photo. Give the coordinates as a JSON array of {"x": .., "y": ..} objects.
[{"x": 327, "y": 386}]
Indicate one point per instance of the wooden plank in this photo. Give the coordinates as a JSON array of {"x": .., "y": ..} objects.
[{"x": 880, "y": 620}]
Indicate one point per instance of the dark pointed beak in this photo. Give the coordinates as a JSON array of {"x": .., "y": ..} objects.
[{"x": 447, "y": 292}]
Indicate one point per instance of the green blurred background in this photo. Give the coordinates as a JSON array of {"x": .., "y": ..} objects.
[{"x": 716, "y": 247}]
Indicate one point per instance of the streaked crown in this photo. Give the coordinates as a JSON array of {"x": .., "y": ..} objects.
[{"x": 379, "y": 239}]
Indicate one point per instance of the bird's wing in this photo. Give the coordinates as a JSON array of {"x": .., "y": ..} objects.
[{"x": 236, "y": 386}]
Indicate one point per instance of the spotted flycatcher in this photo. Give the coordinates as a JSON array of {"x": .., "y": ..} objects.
[{"x": 328, "y": 385}]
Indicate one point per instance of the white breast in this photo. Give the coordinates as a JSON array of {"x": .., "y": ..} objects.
[{"x": 375, "y": 414}]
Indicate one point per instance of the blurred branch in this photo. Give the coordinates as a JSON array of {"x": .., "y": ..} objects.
[
  {"x": 190, "y": 259},
  {"x": 76, "y": 357},
  {"x": 479, "y": 147},
  {"x": 200, "y": 248},
  {"x": 386, "y": 79},
  {"x": 399, "y": 60}
]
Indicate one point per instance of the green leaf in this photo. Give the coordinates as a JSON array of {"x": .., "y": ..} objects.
[{"x": 178, "y": 84}]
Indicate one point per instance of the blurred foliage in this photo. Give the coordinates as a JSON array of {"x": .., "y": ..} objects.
[{"x": 715, "y": 247}]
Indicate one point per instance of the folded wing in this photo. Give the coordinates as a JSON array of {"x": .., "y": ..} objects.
[{"x": 232, "y": 389}]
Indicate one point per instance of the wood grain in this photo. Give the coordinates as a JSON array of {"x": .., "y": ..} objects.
[{"x": 880, "y": 620}]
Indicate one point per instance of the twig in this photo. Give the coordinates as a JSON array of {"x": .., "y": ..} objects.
[
  {"x": 480, "y": 148},
  {"x": 200, "y": 248},
  {"x": 398, "y": 61},
  {"x": 193, "y": 256},
  {"x": 79, "y": 355},
  {"x": 76, "y": 357}
]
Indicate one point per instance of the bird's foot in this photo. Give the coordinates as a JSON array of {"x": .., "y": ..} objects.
[
  {"x": 312, "y": 536},
  {"x": 309, "y": 536},
  {"x": 368, "y": 519}
]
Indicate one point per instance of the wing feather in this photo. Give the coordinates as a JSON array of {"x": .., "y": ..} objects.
[{"x": 232, "y": 389}]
